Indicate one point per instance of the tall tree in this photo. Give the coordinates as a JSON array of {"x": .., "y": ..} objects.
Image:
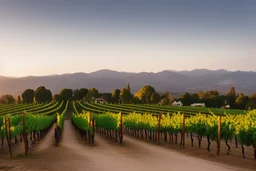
[
  {"x": 241, "y": 101},
  {"x": 145, "y": 93},
  {"x": 164, "y": 101},
  {"x": 194, "y": 98},
  {"x": 251, "y": 104},
  {"x": 129, "y": 88},
  {"x": 167, "y": 98},
  {"x": 186, "y": 99},
  {"x": 92, "y": 93},
  {"x": 116, "y": 96},
  {"x": 57, "y": 97},
  {"x": 18, "y": 99},
  {"x": 232, "y": 91},
  {"x": 28, "y": 96},
  {"x": 43, "y": 95},
  {"x": 79, "y": 94},
  {"x": 125, "y": 96},
  {"x": 231, "y": 97},
  {"x": 155, "y": 98},
  {"x": 136, "y": 100},
  {"x": 48, "y": 95},
  {"x": 66, "y": 94}
]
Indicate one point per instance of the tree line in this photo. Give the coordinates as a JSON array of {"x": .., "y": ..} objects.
[{"x": 145, "y": 95}]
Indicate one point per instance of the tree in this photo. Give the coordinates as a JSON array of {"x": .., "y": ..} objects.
[
  {"x": 216, "y": 101},
  {"x": 155, "y": 98},
  {"x": 79, "y": 94},
  {"x": 136, "y": 100},
  {"x": 231, "y": 97},
  {"x": 145, "y": 93},
  {"x": 169, "y": 97},
  {"x": 164, "y": 101},
  {"x": 92, "y": 93},
  {"x": 66, "y": 94},
  {"x": 129, "y": 88},
  {"x": 7, "y": 99},
  {"x": 18, "y": 99},
  {"x": 48, "y": 95},
  {"x": 241, "y": 101},
  {"x": 194, "y": 98},
  {"x": 43, "y": 95},
  {"x": 57, "y": 97},
  {"x": 28, "y": 96},
  {"x": 125, "y": 96},
  {"x": 107, "y": 97},
  {"x": 232, "y": 91},
  {"x": 116, "y": 96},
  {"x": 251, "y": 104},
  {"x": 186, "y": 99}
]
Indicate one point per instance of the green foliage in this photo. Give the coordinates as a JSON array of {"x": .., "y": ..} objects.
[
  {"x": 108, "y": 121},
  {"x": 33, "y": 123},
  {"x": 129, "y": 88},
  {"x": 61, "y": 117},
  {"x": 155, "y": 98},
  {"x": 186, "y": 99},
  {"x": 116, "y": 96},
  {"x": 125, "y": 96},
  {"x": 164, "y": 101},
  {"x": 241, "y": 101},
  {"x": 66, "y": 94},
  {"x": 145, "y": 93},
  {"x": 43, "y": 95},
  {"x": 81, "y": 120},
  {"x": 28, "y": 96},
  {"x": 251, "y": 104},
  {"x": 92, "y": 93},
  {"x": 57, "y": 97},
  {"x": 79, "y": 94}
]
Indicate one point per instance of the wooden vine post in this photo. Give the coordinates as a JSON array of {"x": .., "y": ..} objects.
[
  {"x": 10, "y": 135},
  {"x": 183, "y": 131},
  {"x": 24, "y": 133},
  {"x": 7, "y": 131},
  {"x": 121, "y": 128},
  {"x": 219, "y": 135},
  {"x": 159, "y": 127}
]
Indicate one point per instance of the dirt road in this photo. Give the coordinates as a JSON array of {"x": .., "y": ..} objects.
[{"x": 74, "y": 154}]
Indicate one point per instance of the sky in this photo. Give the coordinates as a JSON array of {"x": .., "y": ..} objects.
[{"x": 45, "y": 37}]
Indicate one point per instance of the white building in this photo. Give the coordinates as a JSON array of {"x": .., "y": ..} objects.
[
  {"x": 100, "y": 100},
  {"x": 198, "y": 105},
  {"x": 179, "y": 103}
]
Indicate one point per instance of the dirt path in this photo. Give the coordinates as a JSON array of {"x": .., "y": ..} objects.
[{"x": 75, "y": 154}]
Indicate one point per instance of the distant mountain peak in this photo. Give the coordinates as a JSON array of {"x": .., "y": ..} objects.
[{"x": 107, "y": 80}]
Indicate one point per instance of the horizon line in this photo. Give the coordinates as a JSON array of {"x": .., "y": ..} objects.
[{"x": 170, "y": 70}]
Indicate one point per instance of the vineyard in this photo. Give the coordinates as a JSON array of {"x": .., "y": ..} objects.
[
  {"x": 209, "y": 128},
  {"x": 20, "y": 121},
  {"x": 156, "y": 123}
]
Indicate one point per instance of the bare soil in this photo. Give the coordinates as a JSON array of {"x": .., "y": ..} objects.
[{"x": 105, "y": 155}]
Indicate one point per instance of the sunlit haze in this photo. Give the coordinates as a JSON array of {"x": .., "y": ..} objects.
[{"x": 54, "y": 37}]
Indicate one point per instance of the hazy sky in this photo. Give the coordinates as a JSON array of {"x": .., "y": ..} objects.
[{"x": 42, "y": 37}]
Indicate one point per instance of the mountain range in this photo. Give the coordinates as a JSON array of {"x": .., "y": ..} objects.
[{"x": 106, "y": 80}]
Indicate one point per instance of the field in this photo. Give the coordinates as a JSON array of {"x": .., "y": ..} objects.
[{"x": 125, "y": 137}]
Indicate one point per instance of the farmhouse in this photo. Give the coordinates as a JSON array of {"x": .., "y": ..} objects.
[
  {"x": 100, "y": 100},
  {"x": 198, "y": 105},
  {"x": 179, "y": 103}
]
